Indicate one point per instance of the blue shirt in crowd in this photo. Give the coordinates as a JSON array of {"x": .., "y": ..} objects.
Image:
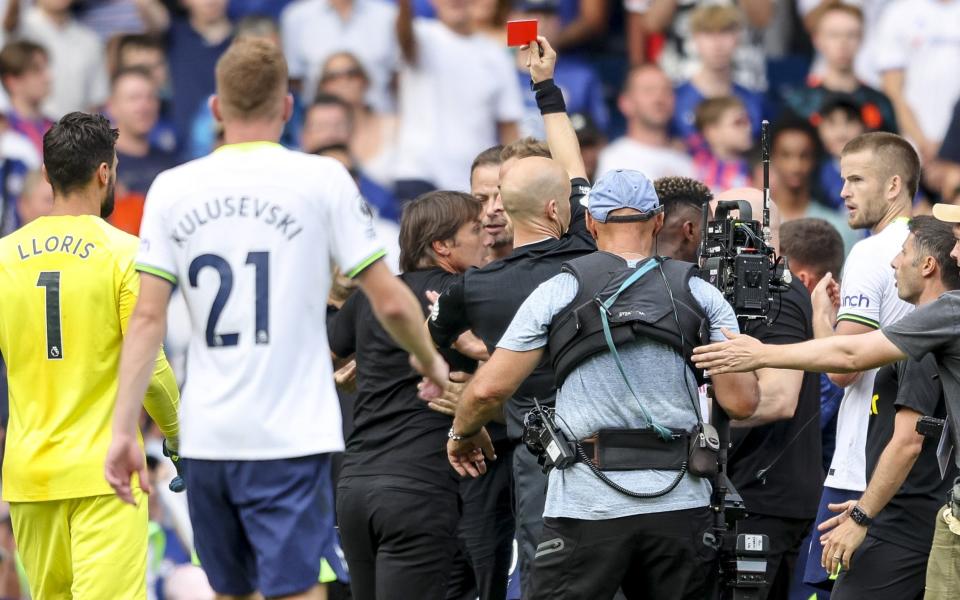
[
  {"x": 689, "y": 98},
  {"x": 192, "y": 63}
]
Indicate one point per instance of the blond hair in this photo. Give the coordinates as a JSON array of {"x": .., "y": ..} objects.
[
  {"x": 251, "y": 80},
  {"x": 711, "y": 110},
  {"x": 525, "y": 148},
  {"x": 715, "y": 17}
]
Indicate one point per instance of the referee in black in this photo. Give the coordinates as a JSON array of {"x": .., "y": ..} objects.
[{"x": 486, "y": 299}]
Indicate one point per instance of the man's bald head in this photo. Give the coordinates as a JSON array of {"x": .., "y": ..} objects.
[
  {"x": 528, "y": 188},
  {"x": 755, "y": 198}
]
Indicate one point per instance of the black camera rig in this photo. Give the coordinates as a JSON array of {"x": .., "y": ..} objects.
[
  {"x": 737, "y": 258},
  {"x": 736, "y": 255}
]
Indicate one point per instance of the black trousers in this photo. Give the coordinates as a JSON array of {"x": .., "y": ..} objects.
[
  {"x": 660, "y": 555},
  {"x": 882, "y": 570},
  {"x": 530, "y": 494},
  {"x": 482, "y": 564},
  {"x": 786, "y": 536},
  {"x": 398, "y": 535}
]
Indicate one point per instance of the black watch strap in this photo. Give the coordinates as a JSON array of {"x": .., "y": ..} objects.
[{"x": 860, "y": 516}]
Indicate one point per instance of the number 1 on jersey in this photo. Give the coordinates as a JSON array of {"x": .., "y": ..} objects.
[{"x": 50, "y": 281}]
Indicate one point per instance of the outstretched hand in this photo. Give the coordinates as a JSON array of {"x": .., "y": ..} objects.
[{"x": 740, "y": 354}]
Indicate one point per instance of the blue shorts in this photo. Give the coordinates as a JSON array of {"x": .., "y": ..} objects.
[
  {"x": 261, "y": 524},
  {"x": 814, "y": 574}
]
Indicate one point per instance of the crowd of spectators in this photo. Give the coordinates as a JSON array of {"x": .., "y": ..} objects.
[
  {"x": 406, "y": 93},
  {"x": 414, "y": 89}
]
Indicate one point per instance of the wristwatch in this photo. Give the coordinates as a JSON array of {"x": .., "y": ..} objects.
[
  {"x": 457, "y": 437},
  {"x": 860, "y": 517}
]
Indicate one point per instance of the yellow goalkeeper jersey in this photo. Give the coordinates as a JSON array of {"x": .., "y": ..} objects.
[{"x": 67, "y": 288}]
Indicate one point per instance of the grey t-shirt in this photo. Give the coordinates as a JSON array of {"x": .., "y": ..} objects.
[
  {"x": 594, "y": 396},
  {"x": 935, "y": 328}
]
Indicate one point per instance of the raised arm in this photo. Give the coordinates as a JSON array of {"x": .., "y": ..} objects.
[
  {"x": 155, "y": 16},
  {"x": 561, "y": 137},
  {"x": 405, "y": 35},
  {"x": 659, "y": 15}
]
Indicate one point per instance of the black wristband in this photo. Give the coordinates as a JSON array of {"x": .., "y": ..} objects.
[{"x": 549, "y": 97}]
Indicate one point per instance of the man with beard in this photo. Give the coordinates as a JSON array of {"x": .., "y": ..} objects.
[
  {"x": 541, "y": 197},
  {"x": 69, "y": 287},
  {"x": 881, "y": 173}
]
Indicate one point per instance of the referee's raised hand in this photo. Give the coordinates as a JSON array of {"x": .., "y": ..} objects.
[
  {"x": 124, "y": 458},
  {"x": 541, "y": 59}
]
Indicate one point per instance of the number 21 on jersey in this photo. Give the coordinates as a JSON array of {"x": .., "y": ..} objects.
[{"x": 260, "y": 261}]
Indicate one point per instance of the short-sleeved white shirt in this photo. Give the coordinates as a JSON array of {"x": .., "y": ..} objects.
[
  {"x": 312, "y": 31},
  {"x": 922, "y": 37},
  {"x": 652, "y": 161},
  {"x": 868, "y": 296},
  {"x": 77, "y": 63},
  {"x": 451, "y": 101},
  {"x": 249, "y": 234}
]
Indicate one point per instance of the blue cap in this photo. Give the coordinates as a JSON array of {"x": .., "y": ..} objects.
[
  {"x": 537, "y": 5},
  {"x": 622, "y": 188}
]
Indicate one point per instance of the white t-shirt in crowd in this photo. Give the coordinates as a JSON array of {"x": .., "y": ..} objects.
[
  {"x": 652, "y": 161},
  {"x": 77, "y": 63},
  {"x": 679, "y": 57},
  {"x": 922, "y": 37},
  {"x": 451, "y": 101},
  {"x": 249, "y": 234},
  {"x": 868, "y": 295},
  {"x": 312, "y": 31},
  {"x": 865, "y": 64}
]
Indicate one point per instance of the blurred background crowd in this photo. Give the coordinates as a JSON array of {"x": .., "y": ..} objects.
[{"x": 407, "y": 92}]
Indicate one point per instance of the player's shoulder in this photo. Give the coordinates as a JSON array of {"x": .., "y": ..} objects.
[
  {"x": 864, "y": 254},
  {"x": 122, "y": 245}
]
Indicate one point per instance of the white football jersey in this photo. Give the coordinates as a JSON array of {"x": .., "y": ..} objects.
[
  {"x": 868, "y": 293},
  {"x": 248, "y": 235}
]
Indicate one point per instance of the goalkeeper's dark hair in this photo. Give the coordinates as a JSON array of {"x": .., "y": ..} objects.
[
  {"x": 75, "y": 147},
  {"x": 679, "y": 194}
]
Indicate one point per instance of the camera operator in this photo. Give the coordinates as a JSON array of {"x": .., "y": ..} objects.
[
  {"x": 683, "y": 200},
  {"x": 904, "y": 488},
  {"x": 933, "y": 328},
  {"x": 397, "y": 500},
  {"x": 770, "y": 457},
  {"x": 542, "y": 199},
  {"x": 597, "y": 538}
]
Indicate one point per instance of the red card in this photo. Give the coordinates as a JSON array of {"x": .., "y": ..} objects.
[{"x": 520, "y": 33}]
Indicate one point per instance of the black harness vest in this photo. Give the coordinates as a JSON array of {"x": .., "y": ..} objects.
[{"x": 643, "y": 310}]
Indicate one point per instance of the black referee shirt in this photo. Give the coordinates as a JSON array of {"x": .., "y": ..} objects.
[{"x": 485, "y": 301}]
